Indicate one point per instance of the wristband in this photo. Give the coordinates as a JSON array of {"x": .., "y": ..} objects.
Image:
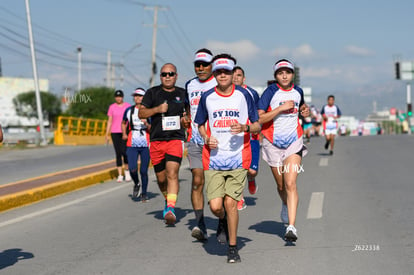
[{"x": 247, "y": 128}]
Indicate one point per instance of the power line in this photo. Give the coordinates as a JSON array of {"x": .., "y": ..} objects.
[
  {"x": 182, "y": 30},
  {"x": 134, "y": 77},
  {"x": 177, "y": 54},
  {"x": 54, "y": 35},
  {"x": 177, "y": 36}
]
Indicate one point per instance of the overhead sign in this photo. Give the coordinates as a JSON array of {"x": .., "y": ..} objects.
[{"x": 407, "y": 70}]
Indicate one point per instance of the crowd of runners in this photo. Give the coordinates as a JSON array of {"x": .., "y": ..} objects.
[{"x": 223, "y": 123}]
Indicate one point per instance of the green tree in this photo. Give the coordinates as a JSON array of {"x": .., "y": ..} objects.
[
  {"x": 91, "y": 102},
  {"x": 25, "y": 105}
]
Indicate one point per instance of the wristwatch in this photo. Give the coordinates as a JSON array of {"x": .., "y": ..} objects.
[{"x": 247, "y": 128}]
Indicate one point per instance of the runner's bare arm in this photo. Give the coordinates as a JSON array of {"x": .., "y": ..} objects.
[
  {"x": 268, "y": 116},
  {"x": 108, "y": 128},
  {"x": 304, "y": 110},
  {"x": 253, "y": 128},
  {"x": 145, "y": 112},
  {"x": 185, "y": 121},
  {"x": 124, "y": 132},
  {"x": 209, "y": 141}
]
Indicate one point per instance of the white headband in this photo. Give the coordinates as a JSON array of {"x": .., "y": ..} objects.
[
  {"x": 223, "y": 63},
  {"x": 138, "y": 91},
  {"x": 201, "y": 56},
  {"x": 283, "y": 64}
]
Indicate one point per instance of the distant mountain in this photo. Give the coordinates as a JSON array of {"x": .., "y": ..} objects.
[{"x": 360, "y": 102}]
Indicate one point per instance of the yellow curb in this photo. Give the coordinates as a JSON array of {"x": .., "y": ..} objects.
[
  {"x": 53, "y": 189},
  {"x": 40, "y": 193},
  {"x": 57, "y": 173}
]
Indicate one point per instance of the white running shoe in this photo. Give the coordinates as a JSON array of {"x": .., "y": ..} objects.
[
  {"x": 291, "y": 234},
  {"x": 127, "y": 176},
  {"x": 120, "y": 178},
  {"x": 199, "y": 234},
  {"x": 284, "y": 214}
]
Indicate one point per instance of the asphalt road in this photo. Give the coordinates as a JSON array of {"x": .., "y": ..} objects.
[
  {"x": 356, "y": 216},
  {"x": 21, "y": 164}
]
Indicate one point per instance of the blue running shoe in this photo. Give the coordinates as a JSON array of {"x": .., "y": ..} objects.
[{"x": 169, "y": 215}]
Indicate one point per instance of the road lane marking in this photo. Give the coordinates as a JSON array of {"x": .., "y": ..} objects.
[
  {"x": 315, "y": 205},
  {"x": 323, "y": 162}
]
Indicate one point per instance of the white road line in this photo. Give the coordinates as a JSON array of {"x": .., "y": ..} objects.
[
  {"x": 60, "y": 206},
  {"x": 323, "y": 162},
  {"x": 315, "y": 205}
]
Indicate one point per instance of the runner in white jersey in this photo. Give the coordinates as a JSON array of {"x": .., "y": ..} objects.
[
  {"x": 238, "y": 79},
  {"x": 226, "y": 116},
  {"x": 137, "y": 144},
  {"x": 282, "y": 146},
  {"x": 316, "y": 120},
  {"x": 330, "y": 114},
  {"x": 195, "y": 88}
]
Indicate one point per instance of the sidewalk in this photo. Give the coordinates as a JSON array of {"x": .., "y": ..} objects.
[
  {"x": 46, "y": 172},
  {"x": 35, "y": 189}
]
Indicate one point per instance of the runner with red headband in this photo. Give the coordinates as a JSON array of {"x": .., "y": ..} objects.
[
  {"x": 195, "y": 87},
  {"x": 282, "y": 146},
  {"x": 226, "y": 116}
]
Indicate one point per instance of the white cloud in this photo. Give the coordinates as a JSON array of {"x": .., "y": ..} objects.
[
  {"x": 300, "y": 52},
  {"x": 342, "y": 76},
  {"x": 304, "y": 50},
  {"x": 242, "y": 50},
  {"x": 317, "y": 72},
  {"x": 358, "y": 51}
]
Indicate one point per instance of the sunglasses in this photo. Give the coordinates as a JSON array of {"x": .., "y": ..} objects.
[
  {"x": 164, "y": 74},
  {"x": 222, "y": 71},
  {"x": 201, "y": 63}
]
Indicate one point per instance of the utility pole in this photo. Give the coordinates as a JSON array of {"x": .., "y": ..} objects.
[
  {"x": 113, "y": 75},
  {"x": 154, "y": 42},
  {"x": 79, "y": 69},
  {"x": 43, "y": 141},
  {"x": 404, "y": 70},
  {"x": 108, "y": 69}
]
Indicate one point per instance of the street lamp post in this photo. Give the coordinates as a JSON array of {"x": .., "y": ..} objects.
[
  {"x": 43, "y": 141},
  {"x": 79, "y": 68}
]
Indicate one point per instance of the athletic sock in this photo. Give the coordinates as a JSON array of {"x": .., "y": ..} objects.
[
  {"x": 171, "y": 200},
  {"x": 165, "y": 194},
  {"x": 199, "y": 214}
]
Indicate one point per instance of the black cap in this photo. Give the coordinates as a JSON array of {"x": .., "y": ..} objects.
[{"x": 119, "y": 93}]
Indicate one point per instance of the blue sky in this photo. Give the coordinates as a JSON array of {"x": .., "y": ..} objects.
[{"x": 342, "y": 47}]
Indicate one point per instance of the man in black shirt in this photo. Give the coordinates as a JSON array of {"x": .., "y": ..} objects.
[{"x": 165, "y": 104}]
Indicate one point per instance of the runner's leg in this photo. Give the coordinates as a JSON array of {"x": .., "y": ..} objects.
[{"x": 290, "y": 176}]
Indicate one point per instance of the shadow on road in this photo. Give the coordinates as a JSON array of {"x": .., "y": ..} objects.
[
  {"x": 11, "y": 256},
  {"x": 213, "y": 247},
  {"x": 150, "y": 196},
  {"x": 270, "y": 227},
  {"x": 179, "y": 213}
]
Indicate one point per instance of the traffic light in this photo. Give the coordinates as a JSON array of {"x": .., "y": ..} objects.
[
  {"x": 409, "y": 110},
  {"x": 397, "y": 70}
]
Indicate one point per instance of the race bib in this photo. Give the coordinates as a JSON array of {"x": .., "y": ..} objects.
[{"x": 170, "y": 123}]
